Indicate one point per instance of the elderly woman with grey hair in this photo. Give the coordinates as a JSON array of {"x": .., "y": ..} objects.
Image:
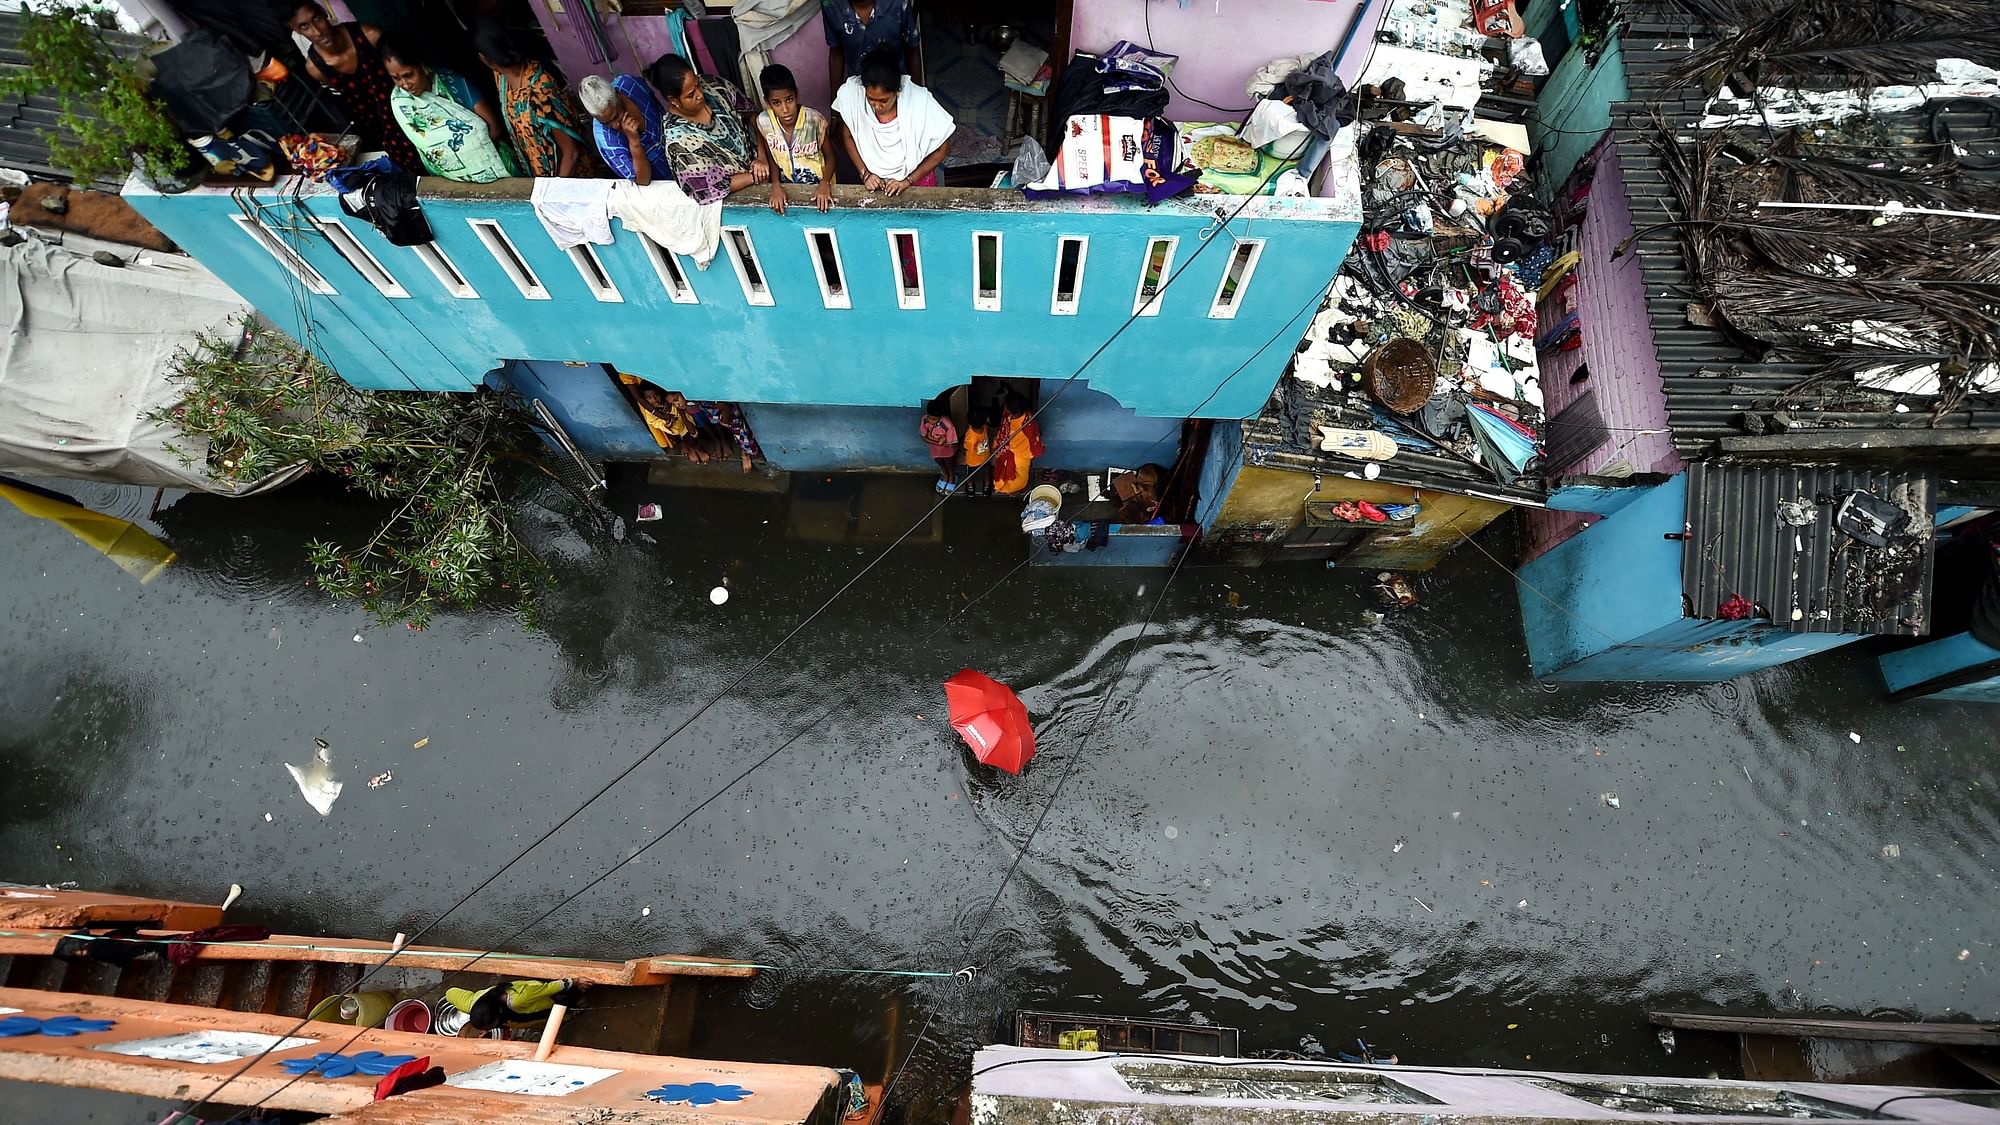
[{"x": 627, "y": 126}]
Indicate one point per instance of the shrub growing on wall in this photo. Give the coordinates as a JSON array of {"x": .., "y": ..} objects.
[
  {"x": 108, "y": 120},
  {"x": 443, "y": 464}
]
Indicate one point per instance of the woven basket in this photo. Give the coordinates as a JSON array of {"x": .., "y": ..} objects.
[{"x": 1400, "y": 375}]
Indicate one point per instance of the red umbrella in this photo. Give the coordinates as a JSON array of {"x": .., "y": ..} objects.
[{"x": 991, "y": 719}]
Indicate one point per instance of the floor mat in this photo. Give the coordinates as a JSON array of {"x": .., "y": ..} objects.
[{"x": 965, "y": 78}]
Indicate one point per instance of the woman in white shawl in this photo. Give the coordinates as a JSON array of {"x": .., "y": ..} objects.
[{"x": 897, "y": 133}]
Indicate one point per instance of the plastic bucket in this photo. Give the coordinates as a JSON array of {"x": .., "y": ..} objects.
[
  {"x": 409, "y": 1015},
  {"x": 356, "y": 1009}
]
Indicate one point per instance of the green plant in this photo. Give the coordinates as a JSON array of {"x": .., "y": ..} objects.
[
  {"x": 108, "y": 118},
  {"x": 443, "y": 463}
]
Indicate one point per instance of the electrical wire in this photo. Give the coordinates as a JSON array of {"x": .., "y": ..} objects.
[
  {"x": 1076, "y": 755},
  {"x": 1147, "y": 7},
  {"x": 745, "y": 674}
]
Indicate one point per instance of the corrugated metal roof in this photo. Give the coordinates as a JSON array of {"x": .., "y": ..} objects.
[
  {"x": 1811, "y": 577},
  {"x": 25, "y": 119},
  {"x": 1710, "y": 383}
]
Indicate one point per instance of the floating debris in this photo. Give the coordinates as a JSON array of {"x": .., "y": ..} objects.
[
  {"x": 315, "y": 781},
  {"x": 719, "y": 595},
  {"x": 1854, "y": 738},
  {"x": 1892, "y": 851},
  {"x": 381, "y": 779},
  {"x": 1610, "y": 799}
]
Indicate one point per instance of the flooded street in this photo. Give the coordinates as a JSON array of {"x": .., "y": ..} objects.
[{"x": 1290, "y": 819}]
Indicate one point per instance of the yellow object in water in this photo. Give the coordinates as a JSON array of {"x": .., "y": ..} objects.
[
  {"x": 1077, "y": 1040},
  {"x": 135, "y": 552}
]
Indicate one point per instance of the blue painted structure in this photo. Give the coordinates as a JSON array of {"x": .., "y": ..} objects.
[
  {"x": 1618, "y": 611},
  {"x": 1221, "y": 463},
  {"x": 1913, "y": 667},
  {"x": 1574, "y": 109},
  {"x": 795, "y": 351},
  {"x": 587, "y": 404}
]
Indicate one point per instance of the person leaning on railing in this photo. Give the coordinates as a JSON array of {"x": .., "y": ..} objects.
[
  {"x": 627, "y": 129},
  {"x": 707, "y": 132}
]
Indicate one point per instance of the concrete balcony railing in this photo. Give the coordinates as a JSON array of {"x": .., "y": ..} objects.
[{"x": 877, "y": 302}]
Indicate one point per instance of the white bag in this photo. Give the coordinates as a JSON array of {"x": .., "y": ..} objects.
[{"x": 1275, "y": 127}]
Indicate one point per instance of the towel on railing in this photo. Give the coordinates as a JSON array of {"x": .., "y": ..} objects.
[
  {"x": 664, "y": 213},
  {"x": 574, "y": 211}
]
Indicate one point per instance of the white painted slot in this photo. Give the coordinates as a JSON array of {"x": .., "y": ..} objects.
[
  {"x": 1154, "y": 271},
  {"x": 1071, "y": 253},
  {"x": 445, "y": 270},
  {"x": 823, "y": 247},
  {"x": 1235, "y": 282},
  {"x": 749, "y": 271},
  {"x": 287, "y": 257},
  {"x": 595, "y": 277},
  {"x": 673, "y": 276},
  {"x": 366, "y": 264},
  {"x": 906, "y": 260},
  {"x": 986, "y": 270},
  {"x": 508, "y": 257}
]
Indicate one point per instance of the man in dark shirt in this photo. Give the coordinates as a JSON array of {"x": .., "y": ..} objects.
[{"x": 855, "y": 27}]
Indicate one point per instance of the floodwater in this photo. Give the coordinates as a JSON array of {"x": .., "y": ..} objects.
[{"x": 1289, "y": 819}]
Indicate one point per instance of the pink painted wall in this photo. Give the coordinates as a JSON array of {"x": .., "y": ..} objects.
[
  {"x": 639, "y": 40},
  {"x": 1222, "y": 42},
  {"x": 1610, "y": 301}
]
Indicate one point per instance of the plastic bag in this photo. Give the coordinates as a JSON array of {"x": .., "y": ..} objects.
[
  {"x": 1525, "y": 53},
  {"x": 1276, "y": 124}
]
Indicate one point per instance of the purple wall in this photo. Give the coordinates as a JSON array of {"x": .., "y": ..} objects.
[
  {"x": 638, "y": 40},
  {"x": 1221, "y": 45},
  {"x": 1609, "y": 298}
]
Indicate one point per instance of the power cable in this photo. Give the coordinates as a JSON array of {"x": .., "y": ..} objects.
[
  {"x": 1083, "y": 741},
  {"x": 745, "y": 674},
  {"x": 1147, "y": 7}
]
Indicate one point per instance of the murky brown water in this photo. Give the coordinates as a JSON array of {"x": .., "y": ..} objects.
[{"x": 1291, "y": 820}]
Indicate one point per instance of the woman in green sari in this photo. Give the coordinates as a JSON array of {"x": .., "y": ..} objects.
[
  {"x": 457, "y": 134},
  {"x": 549, "y": 129}
]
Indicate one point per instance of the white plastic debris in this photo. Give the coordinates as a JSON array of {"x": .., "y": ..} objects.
[
  {"x": 719, "y": 595},
  {"x": 315, "y": 781},
  {"x": 357, "y": 638},
  {"x": 1854, "y": 738},
  {"x": 1611, "y": 799},
  {"x": 645, "y": 912}
]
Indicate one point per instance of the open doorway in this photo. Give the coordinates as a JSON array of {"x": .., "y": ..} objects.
[
  {"x": 703, "y": 432},
  {"x": 981, "y": 61}
]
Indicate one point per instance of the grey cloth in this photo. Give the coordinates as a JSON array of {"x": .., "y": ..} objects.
[
  {"x": 85, "y": 356},
  {"x": 1318, "y": 94},
  {"x": 1030, "y": 164}
]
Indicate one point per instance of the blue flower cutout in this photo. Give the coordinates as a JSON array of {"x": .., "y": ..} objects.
[
  {"x": 330, "y": 1065},
  {"x": 699, "y": 1093},
  {"x": 13, "y": 1027}
]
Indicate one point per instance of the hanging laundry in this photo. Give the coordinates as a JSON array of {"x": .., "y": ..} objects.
[
  {"x": 574, "y": 211},
  {"x": 664, "y": 213}
]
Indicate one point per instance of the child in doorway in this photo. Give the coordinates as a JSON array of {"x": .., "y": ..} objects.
[
  {"x": 978, "y": 449},
  {"x": 1019, "y": 443},
  {"x": 795, "y": 140},
  {"x": 938, "y": 432}
]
